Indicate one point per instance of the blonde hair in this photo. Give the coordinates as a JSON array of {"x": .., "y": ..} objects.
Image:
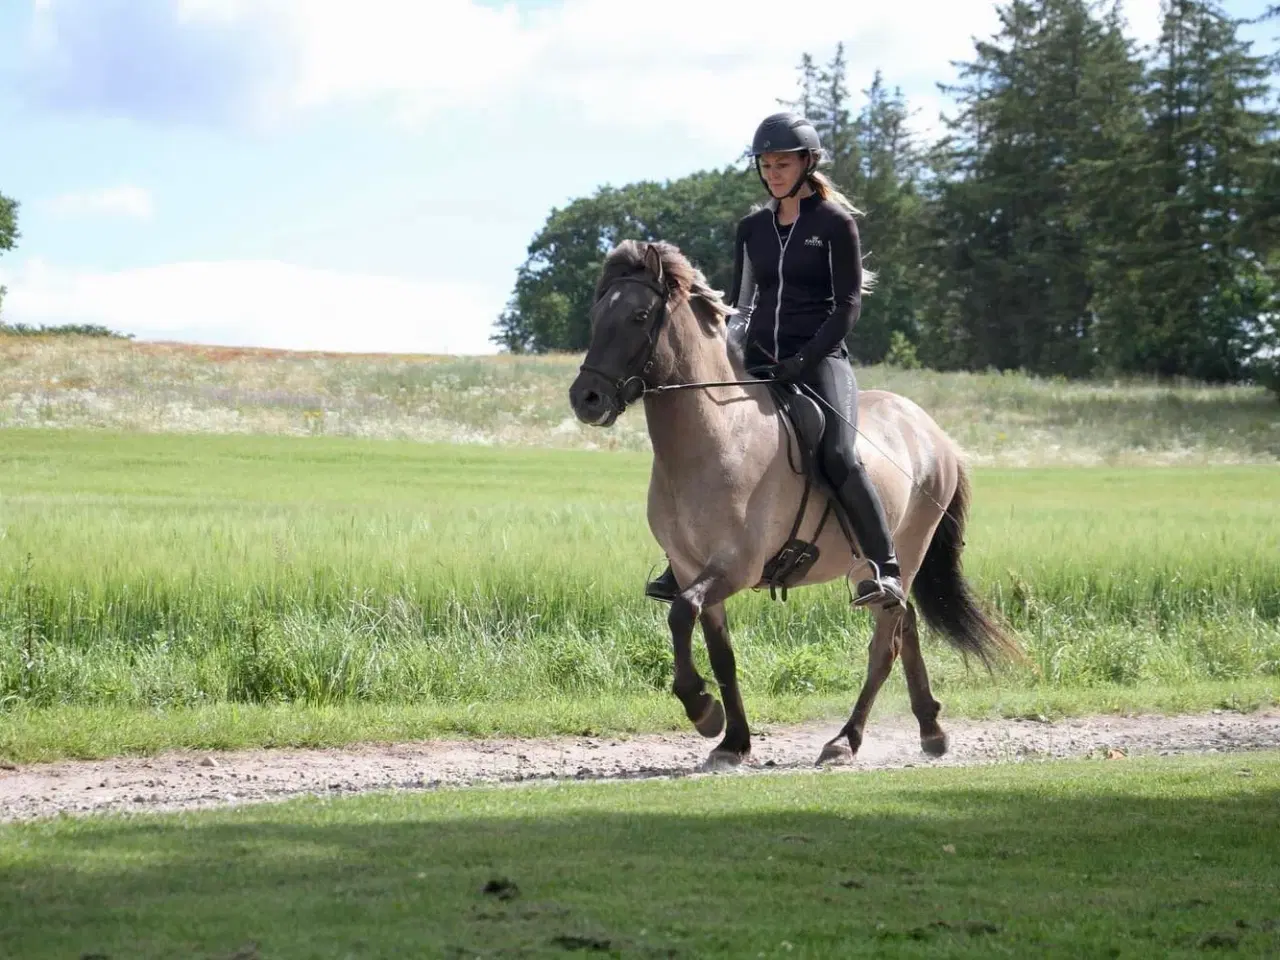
[{"x": 825, "y": 189}]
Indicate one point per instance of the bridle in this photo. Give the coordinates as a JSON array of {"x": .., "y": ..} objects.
[{"x": 631, "y": 385}]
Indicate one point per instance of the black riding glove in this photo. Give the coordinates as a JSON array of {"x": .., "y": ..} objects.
[{"x": 788, "y": 370}]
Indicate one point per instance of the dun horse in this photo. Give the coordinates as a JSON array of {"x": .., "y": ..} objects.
[{"x": 725, "y": 493}]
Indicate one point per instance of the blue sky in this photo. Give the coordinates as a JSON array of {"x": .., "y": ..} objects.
[{"x": 333, "y": 174}]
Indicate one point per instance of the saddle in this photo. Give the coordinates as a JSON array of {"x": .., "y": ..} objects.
[{"x": 806, "y": 423}]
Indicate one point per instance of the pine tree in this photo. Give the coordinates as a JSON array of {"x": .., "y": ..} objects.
[
  {"x": 1042, "y": 104},
  {"x": 807, "y": 81},
  {"x": 833, "y": 121},
  {"x": 1196, "y": 278},
  {"x": 893, "y": 223},
  {"x": 873, "y": 161}
]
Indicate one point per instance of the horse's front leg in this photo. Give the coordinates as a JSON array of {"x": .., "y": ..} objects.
[
  {"x": 736, "y": 745},
  {"x": 699, "y": 706}
]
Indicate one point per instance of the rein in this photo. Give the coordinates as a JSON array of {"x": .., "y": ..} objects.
[{"x": 663, "y": 388}]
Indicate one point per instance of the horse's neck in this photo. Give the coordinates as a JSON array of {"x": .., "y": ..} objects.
[{"x": 704, "y": 426}]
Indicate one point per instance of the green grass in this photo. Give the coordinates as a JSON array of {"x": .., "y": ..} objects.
[
  {"x": 1132, "y": 858},
  {"x": 180, "y": 572}
]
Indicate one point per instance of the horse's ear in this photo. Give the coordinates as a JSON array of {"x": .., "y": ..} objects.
[{"x": 653, "y": 261}]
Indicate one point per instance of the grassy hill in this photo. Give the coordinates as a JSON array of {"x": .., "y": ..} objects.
[{"x": 1001, "y": 419}]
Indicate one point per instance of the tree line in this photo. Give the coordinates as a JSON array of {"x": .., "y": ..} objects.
[{"x": 1091, "y": 208}]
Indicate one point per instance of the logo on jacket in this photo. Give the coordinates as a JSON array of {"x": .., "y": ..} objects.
[{"x": 814, "y": 241}]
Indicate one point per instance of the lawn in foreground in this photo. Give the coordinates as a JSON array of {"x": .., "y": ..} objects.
[{"x": 1150, "y": 857}]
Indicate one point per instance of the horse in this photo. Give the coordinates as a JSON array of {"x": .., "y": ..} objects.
[{"x": 724, "y": 494}]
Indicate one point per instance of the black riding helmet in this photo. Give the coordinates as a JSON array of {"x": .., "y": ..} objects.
[{"x": 786, "y": 133}]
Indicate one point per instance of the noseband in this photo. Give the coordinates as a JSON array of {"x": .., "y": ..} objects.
[{"x": 631, "y": 385}]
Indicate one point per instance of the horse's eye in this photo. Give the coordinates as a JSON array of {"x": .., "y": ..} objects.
[{"x": 640, "y": 316}]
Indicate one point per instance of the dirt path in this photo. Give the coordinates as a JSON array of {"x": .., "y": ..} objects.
[{"x": 180, "y": 781}]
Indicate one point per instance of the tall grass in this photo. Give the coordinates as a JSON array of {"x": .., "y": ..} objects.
[
  {"x": 177, "y": 570},
  {"x": 1001, "y": 419}
]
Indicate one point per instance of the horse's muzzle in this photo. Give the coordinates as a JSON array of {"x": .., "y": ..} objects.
[{"x": 591, "y": 401}]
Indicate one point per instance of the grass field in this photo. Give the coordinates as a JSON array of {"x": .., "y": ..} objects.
[
  {"x": 496, "y": 589},
  {"x": 1001, "y": 419},
  {"x": 1132, "y": 858}
]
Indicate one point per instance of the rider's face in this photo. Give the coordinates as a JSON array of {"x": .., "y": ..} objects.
[{"x": 781, "y": 171}]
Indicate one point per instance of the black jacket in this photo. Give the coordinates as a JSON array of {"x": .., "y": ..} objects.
[{"x": 800, "y": 291}]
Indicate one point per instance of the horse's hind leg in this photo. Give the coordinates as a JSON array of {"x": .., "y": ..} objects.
[
  {"x": 884, "y": 647},
  {"x": 933, "y": 740},
  {"x": 702, "y": 708},
  {"x": 736, "y": 745}
]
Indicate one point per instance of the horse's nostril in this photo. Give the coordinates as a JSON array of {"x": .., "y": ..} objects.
[{"x": 591, "y": 398}]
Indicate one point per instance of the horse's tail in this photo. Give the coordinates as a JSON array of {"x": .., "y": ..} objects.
[{"x": 943, "y": 595}]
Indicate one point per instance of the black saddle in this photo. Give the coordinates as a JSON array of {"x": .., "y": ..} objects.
[{"x": 807, "y": 423}]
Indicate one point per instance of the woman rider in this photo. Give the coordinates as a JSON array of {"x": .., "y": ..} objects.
[{"x": 798, "y": 280}]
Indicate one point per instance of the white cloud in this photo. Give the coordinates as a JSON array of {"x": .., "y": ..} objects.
[
  {"x": 708, "y": 69},
  {"x": 417, "y": 56},
  {"x": 123, "y": 201},
  {"x": 259, "y": 303},
  {"x": 713, "y": 69}
]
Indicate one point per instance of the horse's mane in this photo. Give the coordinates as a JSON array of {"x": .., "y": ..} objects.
[{"x": 681, "y": 277}]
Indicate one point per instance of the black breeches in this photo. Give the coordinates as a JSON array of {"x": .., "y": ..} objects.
[{"x": 833, "y": 380}]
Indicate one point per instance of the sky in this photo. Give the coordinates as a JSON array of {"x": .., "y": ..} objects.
[{"x": 366, "y": 175}]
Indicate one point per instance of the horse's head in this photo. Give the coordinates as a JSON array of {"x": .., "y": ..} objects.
[
  {"x": 626, "y": 320},
  {"x": 649, "y": 302}
]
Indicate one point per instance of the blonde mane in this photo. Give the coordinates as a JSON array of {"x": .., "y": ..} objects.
[{"x": 682, "y": 278}]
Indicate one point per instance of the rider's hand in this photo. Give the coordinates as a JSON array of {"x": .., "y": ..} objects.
[{"x": 788, "y": 370}]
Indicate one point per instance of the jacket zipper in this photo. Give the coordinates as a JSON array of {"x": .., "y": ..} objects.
[{"x": 782, "y": 252}]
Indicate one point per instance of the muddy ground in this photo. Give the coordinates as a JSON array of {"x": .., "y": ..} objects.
[{"x": 186, "y": 780}]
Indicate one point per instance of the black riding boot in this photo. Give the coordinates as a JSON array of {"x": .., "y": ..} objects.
[
  {"x": 663, "y": 588},
  {"x": 862, "y": 504}
]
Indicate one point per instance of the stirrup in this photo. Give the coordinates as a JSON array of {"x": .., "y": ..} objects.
[
  {"x": 885, "y": 590},
  {"x": 663, "y": 588}
]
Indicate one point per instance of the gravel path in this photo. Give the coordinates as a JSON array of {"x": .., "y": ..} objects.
[{"x": 186, "y": 780}]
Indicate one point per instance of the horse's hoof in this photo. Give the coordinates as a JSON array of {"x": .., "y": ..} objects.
[
  {"x": 721, "y": 761},
  {"x": 935, "y": 745},
  {"x": 711, "y": 723},
  {"x": 837, "y": 751}
]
